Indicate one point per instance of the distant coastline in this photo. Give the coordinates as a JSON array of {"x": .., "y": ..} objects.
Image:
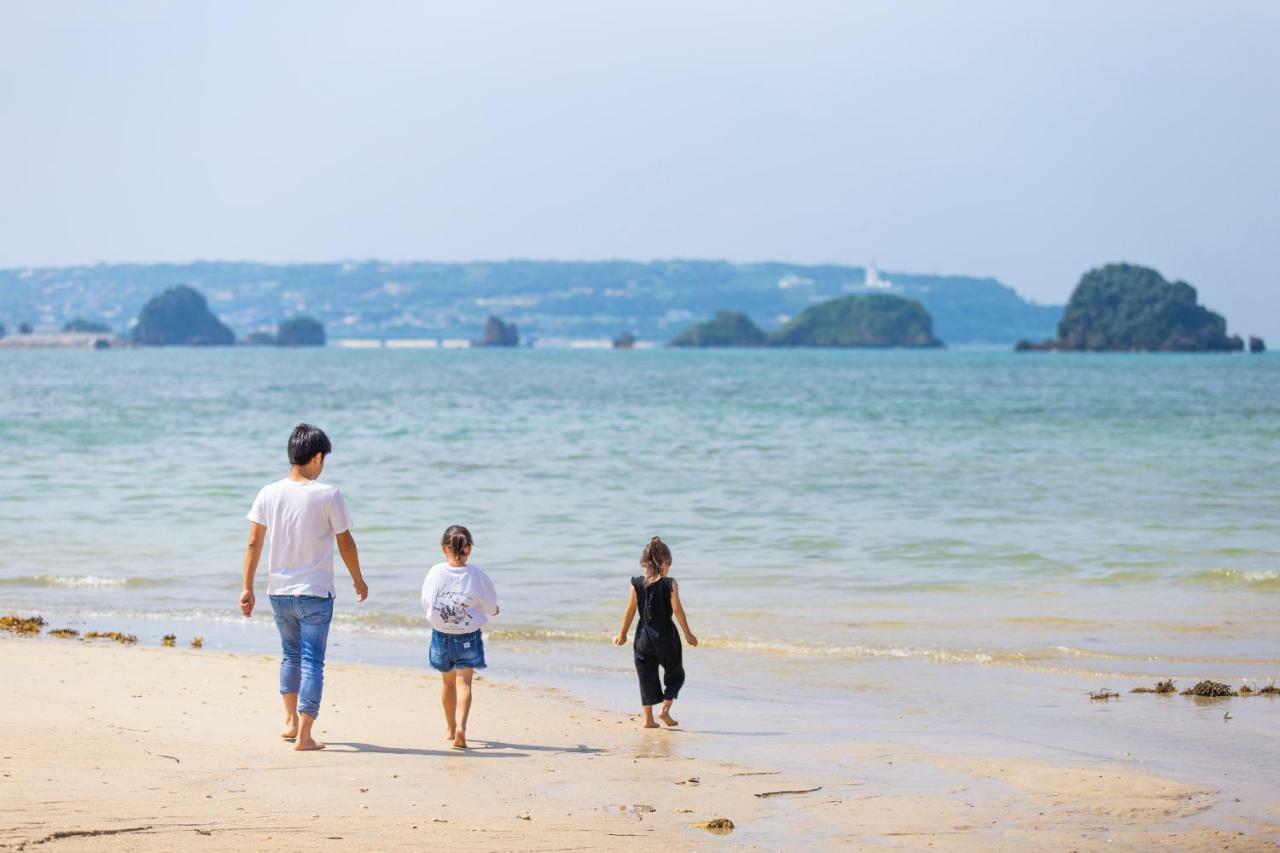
[{"x": 555, "y": 301}]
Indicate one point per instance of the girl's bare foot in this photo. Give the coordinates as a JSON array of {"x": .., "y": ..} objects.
[
  {"x": 305, "y": 744},
  {"x": 650, "y": 724},
  {"x": 452, "y": 735},
  {"x": 460, "y": 740},
  {"x": 666, "y": 718},
  {"x": 290, "y": 729}
]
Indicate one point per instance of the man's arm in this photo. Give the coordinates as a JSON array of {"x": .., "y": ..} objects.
[
  {"x": 351, "y": 557},
  {"x": 252, "y": 554}
]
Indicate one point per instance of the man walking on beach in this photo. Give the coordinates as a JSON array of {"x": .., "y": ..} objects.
[{"x": 303, "y": 517}]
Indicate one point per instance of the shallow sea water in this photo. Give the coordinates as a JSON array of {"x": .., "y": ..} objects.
[{"x": 861, "y": 532}]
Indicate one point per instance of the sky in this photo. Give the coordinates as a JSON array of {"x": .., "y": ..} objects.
[{"x": 1024, "y": 140}]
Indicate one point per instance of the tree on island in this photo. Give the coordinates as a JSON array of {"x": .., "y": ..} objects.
[
  {"x": 626, "y": 340},
  {"x": 878, "y": 320},
  {"x": 180, "y": 316},
  {"x": 498, "y": 334},
  {"x": 726, "y": 329},
  {"x": 24, "y": 328},
  {"x": 83, "y": 326},
  {"x": 300, "y": 332},
  {"x": 1130, "y": 308}
]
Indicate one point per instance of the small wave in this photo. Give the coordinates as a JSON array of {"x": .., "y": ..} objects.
[
  {"x": 1124, "y": 576},
  {"x": 397, "y": 624},
  {"x": 1093, "y": 654},
  {"x": 1267, "y": 580},
  {"x": 79, "y": 581}
]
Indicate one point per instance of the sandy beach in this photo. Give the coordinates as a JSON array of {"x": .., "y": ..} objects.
[{"x": 110, "y": 747}]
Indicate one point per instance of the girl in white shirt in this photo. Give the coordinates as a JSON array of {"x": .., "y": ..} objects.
[{"x": 458, "y": 599}]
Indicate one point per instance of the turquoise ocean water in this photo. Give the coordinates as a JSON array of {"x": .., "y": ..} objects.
[{"x": 841, "y": 520}]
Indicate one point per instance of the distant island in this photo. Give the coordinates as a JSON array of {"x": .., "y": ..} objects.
[
  {"x": 498, "y": 333},
  {"x": 725, "y": 329},
  {"x": 294, "y": 332},
  {"x": 874, "y": 321},
  {"x": 180, "y": 316},
  {"x": 1130, "y": 308},
  {"x": 878, "y": 320}
]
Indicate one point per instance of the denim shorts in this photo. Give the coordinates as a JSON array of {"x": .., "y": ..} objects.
[{"x": 463, "y": 651}]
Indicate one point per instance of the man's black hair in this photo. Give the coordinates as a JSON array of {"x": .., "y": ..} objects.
[{"x": 305, "y": 442}]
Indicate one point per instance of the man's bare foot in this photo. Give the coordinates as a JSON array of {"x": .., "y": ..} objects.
[
  {"x": 666, "y": 718},
  {"x": 307, "y": 744},
  {"x": 290, "y": 730},
  {"x": 460, "y": 740},
  {"x": 650, "y": 724}
]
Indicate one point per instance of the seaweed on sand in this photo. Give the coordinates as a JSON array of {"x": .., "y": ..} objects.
[
  {"x": 126, "y": 639},
  {"x": 1269, "y": 690},
  {"x": 1209, "y": 688},
  {"x": 26, "y": 626},
  {"x": 1104, "y": 694},
  {"x": 1165, "y": 686},
  {"x": 718, "y": 826},
  {"x": 169, "y": 641},
  {"x": 197, "y": 642},
  {"x": 64, "y": 633}
]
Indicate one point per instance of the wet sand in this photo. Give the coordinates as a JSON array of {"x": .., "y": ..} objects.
[{"x": 153, "y": 749}]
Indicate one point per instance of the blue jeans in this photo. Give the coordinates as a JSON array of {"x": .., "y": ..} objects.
[
  {"x": 303, "y": 621},
  {"x": 456, "y": 651}
]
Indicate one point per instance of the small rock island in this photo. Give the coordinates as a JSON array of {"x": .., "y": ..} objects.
[
  {"x": 1130, "y": 308},
  {"x": 180, "y": 316},
  {"x": 300, "y": 332},
  {"x": 878, "y": 321},
  {"x": 726, "y": 329},
  {"x": 498, "y": 333}
]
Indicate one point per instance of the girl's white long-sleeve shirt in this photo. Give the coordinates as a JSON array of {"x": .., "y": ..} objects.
[{"x": 458, "y": 599}]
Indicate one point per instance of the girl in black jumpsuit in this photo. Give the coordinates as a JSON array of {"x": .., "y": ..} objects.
[{"x": 656, "y": 597}]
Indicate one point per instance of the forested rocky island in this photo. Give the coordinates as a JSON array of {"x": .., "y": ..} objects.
[
  {"x": 180, "y": 316},
  {"x": 725, "y": 329},
  {"x": 1130, "y": 308}
]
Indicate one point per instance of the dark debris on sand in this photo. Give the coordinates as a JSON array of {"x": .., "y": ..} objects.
[
  {"x": 64, "y": 633},
  {"x": 1104, "y": 694}
]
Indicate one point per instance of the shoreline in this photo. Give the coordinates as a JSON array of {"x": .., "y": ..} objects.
[{"x": 184, "y": 742}]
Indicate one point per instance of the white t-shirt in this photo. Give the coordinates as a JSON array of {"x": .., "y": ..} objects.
[
  {"x": 458, "y": 599},
  {"x": 301, "y": 517}
]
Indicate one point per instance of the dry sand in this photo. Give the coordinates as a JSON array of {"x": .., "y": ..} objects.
[{"x": 176, "y": 749}]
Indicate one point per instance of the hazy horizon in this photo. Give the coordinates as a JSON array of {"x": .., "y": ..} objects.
[{"x": 1022, "y": 142}]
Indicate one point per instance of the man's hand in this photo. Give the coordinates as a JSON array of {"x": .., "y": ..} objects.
[
  {"x": 247, "y": 600},
  {"x": 362, "y": 589},
  {"x": 620, "y": 640},
  {"x": 692, "y": 640}
]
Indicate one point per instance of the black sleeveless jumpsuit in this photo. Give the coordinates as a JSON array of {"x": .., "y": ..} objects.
[{"x": 657, "y": 642}]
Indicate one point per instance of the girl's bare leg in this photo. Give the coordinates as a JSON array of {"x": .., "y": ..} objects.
[
  {"x": 665, "y": 716},
  {"x": 648, "y": 717},
  {"x": 449, "y": 700},
  {"x": 464, "y": 707}
]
